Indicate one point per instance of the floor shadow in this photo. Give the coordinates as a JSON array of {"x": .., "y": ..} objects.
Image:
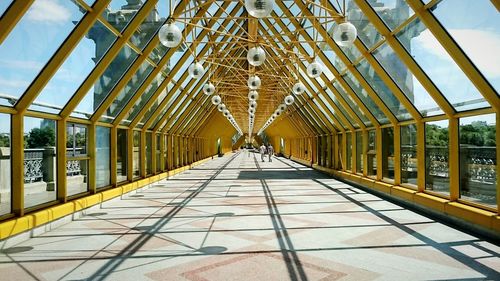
[{"x": 280, "y": 175}]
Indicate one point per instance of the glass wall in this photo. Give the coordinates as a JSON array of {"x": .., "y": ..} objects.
[
  {"x": 408, "y": 154},
  {"x": 349, "y": 151},
  {"x": 5, "y": 168},
  {"x": 340, "y": 145},
  {"x": 39, "y": 161},
  {"x": 149, "y": 153},
  {"x": 103, "y": 154},
  {"x": 478, "y": 155},
  {"x": 158, "y": 152},
  {"x": 77, "y": 159},
  {"x": 165, "y": 151},
  {"x": 359, "y": 152},
  {"x": 136, "y": 154},
  {"x": 121, "y": 155},
  {"x": 371, "y": 154},
  {"x": 388, "y": 153},
  {"x": 437, "y": 172}
]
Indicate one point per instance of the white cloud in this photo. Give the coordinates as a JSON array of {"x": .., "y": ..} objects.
[
  {"x": 48, "y": 11},
  {"x": 481, "y": 46},
  {"x": 11, "y": 83},
  {"x": 21, "y": 64}
]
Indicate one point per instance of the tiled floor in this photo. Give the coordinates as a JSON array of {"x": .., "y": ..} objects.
[{"x": 237, "y": 218}]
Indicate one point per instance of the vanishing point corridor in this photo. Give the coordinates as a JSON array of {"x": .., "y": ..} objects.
[{"x": 238, "y": 218}]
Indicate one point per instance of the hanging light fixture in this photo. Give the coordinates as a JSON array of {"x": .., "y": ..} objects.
[
  {"x": 277, "y": 112},
  {"x": 259, "y": 8},
  {"x": 196, "y": 70},
  {"x": 298, "y": 88},
  {"x": 170, "y": 35},
  {"x": 254, "y": 82},
  {"x": 282, "y": 107},
  {"x": 253, "y": 95},
  {"x": 252, "y": 104},
  {"x": 289, "y": 100},
  {"x": 208, "y": 89},
  {"x": 251, "y": 110},
  {"x": 256, "y": 56},
  {"x": 221, "y": 107},
  {"x": 225, "y": 112},
  {"x": 216, "y": 99},
  {"x": 344, "y": 34},
  {"x": 314, "y": 69}
]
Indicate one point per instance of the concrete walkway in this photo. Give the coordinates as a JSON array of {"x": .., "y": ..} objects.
[{"x": 237, "y": 218}]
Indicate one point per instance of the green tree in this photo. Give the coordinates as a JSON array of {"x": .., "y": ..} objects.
[
  {"x": 41, "y": 137},
  {"x": 4, "y": 141}
]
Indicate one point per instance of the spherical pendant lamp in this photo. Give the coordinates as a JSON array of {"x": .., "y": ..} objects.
[
  {"x": 221, "y": 107},
  {"x": 251, "y": 110},
  {"x": 170, "y": 35},
  {"x": 277, "y": 112},
  {"x": 225, "y": 112},
  {"x": 196, "y": 70},
  {"x": 256, "y": 56},
  {"x": 259, "y": 8},
  {"x": 254, "y": 82},
  {"x": 314, "y": 69},
  {"x": 282, "y": 107},
  {"x": 289, "y": 100},
  {"x": 344, "y": 34},
  {"x": 216, "y": 99},
  {"x": 208, "y": 89},
  {"x": 253, "y": 95},
  {"x": 252, "y": 104},
  {"x": 298, "y": 88}
]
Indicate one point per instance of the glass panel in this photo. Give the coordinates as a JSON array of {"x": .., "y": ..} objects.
[
  {"x": 366, "y": 31},
  {"x": 478, "y": 159},
  {"x": 165, "y": 152},
  {"x": 359, "y": 152},
  {"x": 31, "y": 44},
  {"x": 388, "y": 153},
  {"x": 121, "y": 12},
  {"x": 410, "y": 86},
  {"x": 103, "y": 154},
  {"x": 74, "y": 70},
  {"x": 340, "y": 145},
  {"x": 474, "y": 26},
  {"x": 5, "y": 165},
  {"x": 158, "y": 152},
  {"x": 365, "y": 98},
  {"x": 105, "y": 83},
  {"x": 371, "y": 154},
  {"x": 147, "y": 29},
  {"x": 4, "y": 5},
  {"x": 136, "y": 154},
  {"x": 392, "y": 12},
  {"x": 437, "y": 173},
  {"x": 349, "y": 151},
  {"x": 149, "y": 153},
  {"x": 128, "y": 91},
  {"x": 409, "y": 169},
  {"x": 352, "y": 104},
  {"x": 440, "y": 67},
  {"x": 40, "y": 157},
  {"x": 76, "y": 169},
  {"x": 386, "y": 95},
  {"x": 121, "y": 155}
]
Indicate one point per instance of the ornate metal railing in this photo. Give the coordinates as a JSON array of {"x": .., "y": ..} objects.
[
  {"x": 39, "y": 163},
  {"x": 33, "y": 161}
]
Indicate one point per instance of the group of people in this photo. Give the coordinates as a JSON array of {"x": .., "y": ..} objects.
[{"x": 269, "y": 150}]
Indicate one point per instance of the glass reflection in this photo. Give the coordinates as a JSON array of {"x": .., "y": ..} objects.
[
  {"x": 5, "y": 165},
  {"x": 32, "y": 43},
  {"x": 408, "y": 154},
  {"x": 474, "y": 26},
  {"x": 440, "y": 67},
  {"x": 478, "y": 159},
  {"x": 437, "y": 172},
  {"x": 40, "y": 157}
]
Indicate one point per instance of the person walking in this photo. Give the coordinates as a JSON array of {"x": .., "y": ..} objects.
[
  {"x": 270, "y": 151},
  {"x": 262, "y": 151}
]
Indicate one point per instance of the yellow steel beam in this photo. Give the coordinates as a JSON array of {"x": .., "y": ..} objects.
[
  {"x": 17, "y": 164},
  {"x": 10, "y": 17},
  {"x": 362, "y": 81},
  {"x": 333, "y": 70},
  {"x": 456, "y": 53},
  {"x": 153, "y": 98},
  {"x": 60, "y": 56},
  {"x": 406, "y": 58},
  {"x": 110, "y": 55}
]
